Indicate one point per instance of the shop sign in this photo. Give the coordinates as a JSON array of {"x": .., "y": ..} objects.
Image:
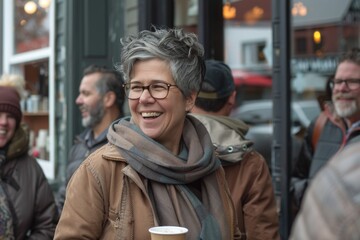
[{"x": 320, "y": 65}]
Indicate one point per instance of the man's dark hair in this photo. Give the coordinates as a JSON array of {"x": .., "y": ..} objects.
[
  {"x": 353, "y": 56},
  {"x": 111, "y": 80}
]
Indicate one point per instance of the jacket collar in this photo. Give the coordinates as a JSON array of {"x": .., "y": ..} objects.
[
  {"x": 19, "y": 144},
  {"x": 227, "y": 135},
  {"x": 112, "y": 153}
]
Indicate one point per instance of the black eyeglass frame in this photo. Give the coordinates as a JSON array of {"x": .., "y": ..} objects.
[
  {"x": 148, "y": 87},
  {"x": 355, "y": 82}
]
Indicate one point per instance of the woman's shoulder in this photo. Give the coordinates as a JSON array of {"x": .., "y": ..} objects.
[
  {"x": 28, "y": 163},
  {"x": 26, "y": 172},
  {"x": 103, "y": 161},
  {"x": 106, "y": 154}
]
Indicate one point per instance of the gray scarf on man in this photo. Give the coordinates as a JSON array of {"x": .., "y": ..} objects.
[{"x": 170, "y": 175}]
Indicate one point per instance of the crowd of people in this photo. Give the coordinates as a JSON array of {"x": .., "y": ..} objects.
[{"x": 177, "y": 159}]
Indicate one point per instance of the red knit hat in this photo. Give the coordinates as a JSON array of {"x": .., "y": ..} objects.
[{"x": 10, "y": 102}]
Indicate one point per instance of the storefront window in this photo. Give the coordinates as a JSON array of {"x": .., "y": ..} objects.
[
  {"x": 31, "y": 25},
  {"x": 248, "y": 47},
  {"x": 28, "y": 45}
]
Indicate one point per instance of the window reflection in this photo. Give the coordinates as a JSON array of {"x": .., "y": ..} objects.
[
  {"x": 186, "y": 13},
  {"x": 31, "y": 25}
]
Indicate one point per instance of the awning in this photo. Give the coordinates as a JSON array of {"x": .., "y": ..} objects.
[
  {"x": 321, "y": 12},
  {"x": 242, "y": 77}
]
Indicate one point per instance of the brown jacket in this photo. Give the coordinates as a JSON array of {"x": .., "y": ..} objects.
[
  {"x": 251, "y": 189},
  {"x": 248, "y": 178},
  {"x": 110, "y": 201}
]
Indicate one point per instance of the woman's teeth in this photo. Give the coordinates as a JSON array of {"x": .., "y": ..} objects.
[{"x": 150, "y": 114}]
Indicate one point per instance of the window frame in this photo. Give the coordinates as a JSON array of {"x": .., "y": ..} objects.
[{"x": 12, "y": 64}]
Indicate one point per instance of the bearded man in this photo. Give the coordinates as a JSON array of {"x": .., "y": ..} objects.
[
  {"x": 100, "y": 101},
  {"x": 340, "y": 127}
]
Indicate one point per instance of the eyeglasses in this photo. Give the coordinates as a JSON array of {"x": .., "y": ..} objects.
[
  {"x": 352, "y": 84},
  {"x": 157, "y": 90}
]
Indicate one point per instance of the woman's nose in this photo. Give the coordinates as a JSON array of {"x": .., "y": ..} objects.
[
  {"x": 145, "y": 96},
  {"x": 3, "y": 118}
]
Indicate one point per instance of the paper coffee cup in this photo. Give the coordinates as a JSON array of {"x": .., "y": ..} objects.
[{"x": 168, "y": 233}]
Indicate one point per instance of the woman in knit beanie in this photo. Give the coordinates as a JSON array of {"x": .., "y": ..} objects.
[
  {"x": 10, "y": 103},
  {"x": 27, "y": 205}
]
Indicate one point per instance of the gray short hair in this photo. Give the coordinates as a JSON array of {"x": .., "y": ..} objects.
[{"x": 181, "y": 50}]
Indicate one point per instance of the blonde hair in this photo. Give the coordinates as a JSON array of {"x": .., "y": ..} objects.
[{"x": 14, "y": 80}]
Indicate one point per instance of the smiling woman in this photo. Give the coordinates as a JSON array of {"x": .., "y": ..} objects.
[
  {"x": 27, "y": 205},
  {"x": 10, "y": 114},
  {"x": 167, "y": 124},
  {"x": 159, "y": 167}
]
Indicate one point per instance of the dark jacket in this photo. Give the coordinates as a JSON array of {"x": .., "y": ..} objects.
[
  {"x": 80, "y": 150},
  {"x": 31, "y": 198},
  {"x": 332, "y": 139}
]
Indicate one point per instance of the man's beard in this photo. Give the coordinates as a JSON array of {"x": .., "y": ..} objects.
[
  {"x": 95, "y": 116},
  {"x": 347, "y": 109}
]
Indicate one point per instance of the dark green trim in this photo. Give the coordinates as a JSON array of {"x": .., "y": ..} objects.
[
  {"x": 159, "y": 13},
  {"x": 87, "y": 32},
  {"x": 1, "y": 38},
  {"x": 211, "y": 28}
]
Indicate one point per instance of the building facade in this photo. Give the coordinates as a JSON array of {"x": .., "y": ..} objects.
[{"x": 50, "y": 42}]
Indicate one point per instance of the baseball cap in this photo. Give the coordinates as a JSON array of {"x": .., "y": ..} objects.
[{"x": 218, "y": 81}]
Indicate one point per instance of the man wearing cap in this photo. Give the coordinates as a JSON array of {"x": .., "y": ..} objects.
[
  {"x": 217, "y": 95},
  {"x": 27, "y": 205},
  {"x": 246, "y": 171}
]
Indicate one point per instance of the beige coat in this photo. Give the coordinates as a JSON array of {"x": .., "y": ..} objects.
[
  {"x": 112, "y": 200},
  {"x": 331, "y": 207}
]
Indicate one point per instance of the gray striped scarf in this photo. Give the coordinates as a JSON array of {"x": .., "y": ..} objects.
[{"x": 170, "y": 176}]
